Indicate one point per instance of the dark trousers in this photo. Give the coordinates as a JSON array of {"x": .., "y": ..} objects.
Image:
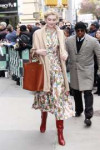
[
  {"x": 88, "y": 97},
  {"x": 98, "y": 84}
]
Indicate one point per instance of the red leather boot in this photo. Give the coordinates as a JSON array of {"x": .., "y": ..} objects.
[
  {"x": 43, "y": 122},
  {"x": 60, "y": 127}
]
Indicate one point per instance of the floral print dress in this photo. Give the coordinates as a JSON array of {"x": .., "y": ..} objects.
[{"x": 56, "y": 101}]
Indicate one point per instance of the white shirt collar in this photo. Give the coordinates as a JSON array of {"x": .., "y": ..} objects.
[{"x": 80, "y": 39}]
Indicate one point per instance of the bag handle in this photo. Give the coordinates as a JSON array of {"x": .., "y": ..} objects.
[
  {"x": 30, "y": 58},
  {"x": 34, "y": 59}
]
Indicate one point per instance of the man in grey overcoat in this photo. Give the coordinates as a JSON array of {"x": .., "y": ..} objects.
[{"x": 81, "y": 48}]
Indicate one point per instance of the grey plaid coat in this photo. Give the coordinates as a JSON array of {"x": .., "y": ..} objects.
[{"x": 82, "y": 63}]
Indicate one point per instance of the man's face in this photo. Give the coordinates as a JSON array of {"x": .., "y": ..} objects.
[
  {"x": 80, "y": 33},
  {"x": 92, "y": 27},
  {"x": 68, "y": 25}
]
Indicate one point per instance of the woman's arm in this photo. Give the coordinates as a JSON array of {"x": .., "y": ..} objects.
[
  {"x": 64, "y": 54},
  {"x": 35, "y": 50}
]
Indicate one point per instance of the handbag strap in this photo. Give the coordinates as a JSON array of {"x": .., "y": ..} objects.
[{"x": 34, "y": 59}]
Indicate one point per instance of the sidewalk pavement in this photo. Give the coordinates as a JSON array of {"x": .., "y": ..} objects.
[{"x": 19, "y": 124}]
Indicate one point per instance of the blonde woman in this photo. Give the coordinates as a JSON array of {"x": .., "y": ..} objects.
[{"x": 49, "y": 45}]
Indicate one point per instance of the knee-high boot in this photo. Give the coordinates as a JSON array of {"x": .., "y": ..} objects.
[
  {"x": 60, "y": 127},
  {"x": 43, "y": 122}
]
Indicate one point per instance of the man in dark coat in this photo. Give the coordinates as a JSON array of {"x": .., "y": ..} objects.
[{"x": 81, "y": 48}]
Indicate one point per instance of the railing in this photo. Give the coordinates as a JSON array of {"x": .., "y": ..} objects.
[
  {"x": 4, "y": 58},
  {"x": 12, "y": 62}
]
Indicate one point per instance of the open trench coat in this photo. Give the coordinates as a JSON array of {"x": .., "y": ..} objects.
[
  {"x": 39, "y": 42},
  {"x": 82, "y": 63}
]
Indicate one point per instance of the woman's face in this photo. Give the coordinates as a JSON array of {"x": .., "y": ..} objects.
[
  {"x": 98, "y": 35},
  {"x": 51, "y": 21}
]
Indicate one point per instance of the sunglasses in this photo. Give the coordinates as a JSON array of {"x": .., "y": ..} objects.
[{"x": 80, "y": 30}]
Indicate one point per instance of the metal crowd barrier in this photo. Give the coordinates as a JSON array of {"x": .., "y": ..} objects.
[
  {"x": 4, "y": 59},
  {"x": 13, "y": 61}
]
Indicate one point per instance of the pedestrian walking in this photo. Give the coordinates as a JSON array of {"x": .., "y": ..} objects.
[
  {"x": 49, "y": 45},
  {"x": 81, "y": 48}
]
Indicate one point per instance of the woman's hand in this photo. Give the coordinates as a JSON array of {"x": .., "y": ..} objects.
[
  {"x": 67, "y": 93},
  {"x": 64, "y": 57},
  {"x": 42, "y": 52}
]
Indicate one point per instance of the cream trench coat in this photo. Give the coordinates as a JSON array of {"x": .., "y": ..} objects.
[{"x": 39, "y": 42}]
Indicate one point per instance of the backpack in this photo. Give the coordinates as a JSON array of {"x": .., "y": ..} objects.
[
  {"x": 25, "y": 39},
  {"x": 23, "y": 42}
]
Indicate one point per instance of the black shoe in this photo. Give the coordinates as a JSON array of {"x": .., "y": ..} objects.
[
  {"x": 96, "y": 92},
  {"x": 18, "y": 81},
  {"x": 13, "y": 77},
  {"x": 77, "y": 114},
  {"x": 88, "y": 122}
]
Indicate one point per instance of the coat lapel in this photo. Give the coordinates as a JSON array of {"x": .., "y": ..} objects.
[
  {"x": 74, "y": 44},
  {"x": 60, "y": 38},
  {"x": 59, "y": 35},
  {"x": 83, "y": 45},
  {"x": 43, "y": 32}
]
